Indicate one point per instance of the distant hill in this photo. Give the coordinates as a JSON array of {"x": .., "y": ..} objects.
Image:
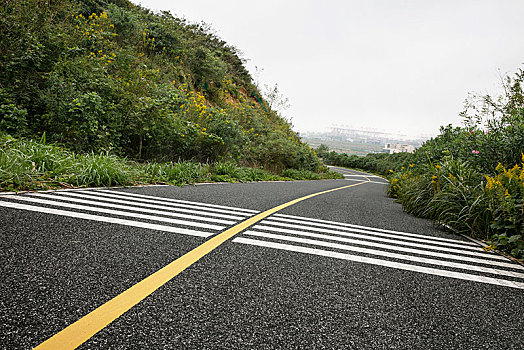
[{"x": 107, "y": 75}]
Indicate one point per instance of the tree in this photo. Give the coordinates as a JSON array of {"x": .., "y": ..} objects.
[{"x": 275, "y": 99}]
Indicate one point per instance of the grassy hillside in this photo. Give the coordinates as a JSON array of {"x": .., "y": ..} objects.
[{"x": 109, "y": 76}]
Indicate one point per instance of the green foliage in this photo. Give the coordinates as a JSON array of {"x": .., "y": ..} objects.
[
  {"x": 13, "y": 120},
  {"x": 301, "y": 174},
  {"x": 27, "y": 165},
  {"x": 106, "y": 75},
  {"x": 101, "y": 170},
  {"x": 173, "y": 173},
  {"x": 310, "y": 175},
  {"x": 378, "y": 163}
]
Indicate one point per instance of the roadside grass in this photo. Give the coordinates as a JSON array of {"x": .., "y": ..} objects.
[{"x": 34, "y": 165}]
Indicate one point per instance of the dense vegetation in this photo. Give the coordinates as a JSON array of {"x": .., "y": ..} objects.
[
  {"x": 378, "y": 163},
  {"x": 30, "y": 165},
  {"x": 469, "y": 178},
  {"x": 106, "y": 76}
]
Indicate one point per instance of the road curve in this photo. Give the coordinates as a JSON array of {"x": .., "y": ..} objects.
[{"x": 343, "y": 269}]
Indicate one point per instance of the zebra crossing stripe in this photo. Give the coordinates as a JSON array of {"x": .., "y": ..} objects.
[
  {"x": 480, "y": 253},
  {"x": 162, "y": 207},
  {"x": 386, "y": 254},
  {"x": 131, "y": 208},
  {"x": 118, "y": 195},
  {"x": 120, "y": 213},
  {"x": 404, "y": 249},
  {"x": 458, "y": 244},
  {"x": 380, "y": 262},
  {"x": 313, "y": 222},
  {"x": 131, "y": 194},
  {"x": 140, "y": 224}
]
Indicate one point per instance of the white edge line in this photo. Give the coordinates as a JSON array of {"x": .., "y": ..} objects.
[{"x": 369, "y": 182}]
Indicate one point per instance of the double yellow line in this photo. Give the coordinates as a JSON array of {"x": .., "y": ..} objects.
[{"x": 80, "y": 331}]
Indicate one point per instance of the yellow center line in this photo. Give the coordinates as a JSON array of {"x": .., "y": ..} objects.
[{"x": 80, "y": 331}]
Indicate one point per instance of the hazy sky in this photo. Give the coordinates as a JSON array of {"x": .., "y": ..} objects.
[{"x": 394, "y": 65}]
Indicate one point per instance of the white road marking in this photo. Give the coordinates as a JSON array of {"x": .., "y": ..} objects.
[
  {"x": 457, "y": 243},
  {"x": 142, "y": 210},
  {"x": 106, "y": 219},
  {"x": 358, "y": 175},
  {"x": 311, "y": 221},
  {"x": 112, "y": 200},
  {"x": 168, "y": 204},
  {"x": 405, "y": 249},
  {"x": 120, "y": 213},
  {"x": 387, "y": 254},
  {"x": 369, "y": 182},
  {"x": 380, "y": 262},
  {"x": 249, "y": 211},
  {"x": 480, "y": 253}
]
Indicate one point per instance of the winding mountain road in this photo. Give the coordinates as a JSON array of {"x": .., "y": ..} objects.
[{"x": 332, "y": 264}]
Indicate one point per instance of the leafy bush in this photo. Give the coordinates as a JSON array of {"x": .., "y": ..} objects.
[
  {"x": 301, "y": 174},
  {"x": 505, "y": 196}
]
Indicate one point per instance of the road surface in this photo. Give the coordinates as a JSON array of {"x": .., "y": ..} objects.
[{"x": 343, "y": 269}]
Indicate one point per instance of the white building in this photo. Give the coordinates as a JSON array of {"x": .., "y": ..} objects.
[{"x": 398, "y": 148}]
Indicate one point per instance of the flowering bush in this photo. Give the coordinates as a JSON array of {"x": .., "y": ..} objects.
[
  {"x": 505, "y": 194},
  {"x": 454, "y": 194}
]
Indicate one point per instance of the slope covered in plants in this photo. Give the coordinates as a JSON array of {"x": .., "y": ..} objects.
[{"x": 109, "y": 76}]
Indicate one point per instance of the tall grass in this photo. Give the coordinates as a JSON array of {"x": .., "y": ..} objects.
[
  {"x": 101, "y": 170},
  {"x": 26, "y": 165},
  {"x": 173, "y": 173},
  {"x": 31, "y": 165},
  {"x": 453, "y": 194}
]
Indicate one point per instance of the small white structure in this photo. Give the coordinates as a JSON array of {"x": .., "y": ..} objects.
[{"x": 398, "y": 148}]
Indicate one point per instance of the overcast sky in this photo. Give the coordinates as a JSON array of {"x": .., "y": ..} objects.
[{"x": 394, "y": 65}]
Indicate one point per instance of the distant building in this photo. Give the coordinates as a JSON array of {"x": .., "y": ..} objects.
[{"x": 398, "y": 148}]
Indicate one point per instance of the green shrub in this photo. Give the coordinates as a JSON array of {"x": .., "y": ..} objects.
[
  {"x": 174, "y": 173},
  {"x": 301, "y": 174}
]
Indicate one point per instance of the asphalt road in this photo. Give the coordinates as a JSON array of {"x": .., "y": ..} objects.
[{"x": 343, "y": 270}]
